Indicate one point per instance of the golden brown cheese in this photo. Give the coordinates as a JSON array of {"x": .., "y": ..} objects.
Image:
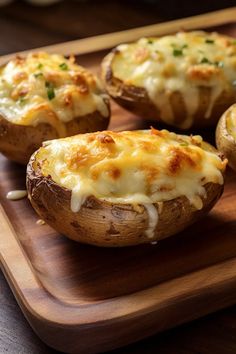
[
  {"x": 138, "y": 167},
  {"x": 48, "y": 88},
  {"x": 179, "y": 63}
]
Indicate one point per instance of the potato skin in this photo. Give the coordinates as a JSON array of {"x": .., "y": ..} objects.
[
  {"x": 136, "y": 100},
  {"x": 105, "y": 224},
  {"x": 19, "y": 142},
  {"x": 224, "y": 140}
]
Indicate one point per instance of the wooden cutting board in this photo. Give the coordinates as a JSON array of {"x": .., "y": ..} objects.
[{"x": 83, "y": 299}]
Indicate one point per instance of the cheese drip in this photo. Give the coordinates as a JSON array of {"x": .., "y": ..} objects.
[
  {"x": 182, "y": 64},
  {"x": 16, "y": 194},
  {"x": 138, "y": 167},
  {"x": 152, "y": 220}
]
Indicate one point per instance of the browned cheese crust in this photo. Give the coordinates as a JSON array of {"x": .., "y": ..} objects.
[{"x": 105, "y": 224}]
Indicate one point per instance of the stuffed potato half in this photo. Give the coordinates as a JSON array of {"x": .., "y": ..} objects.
[
  {"x": 46, "y": 96},
  {"x": 184, "y": 80},
  {"x": 226, "y": 135},
  {"x": 121, "y": 189}
]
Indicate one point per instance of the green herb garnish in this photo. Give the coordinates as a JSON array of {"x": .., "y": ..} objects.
[
  {"x": 22, "y": 101},
  {"x": 219, "y": 64},
  {"x": 234, "y": 42},
  {"x": 51, "y": 93},
  {"x": 184, "y": 143},
  {"x": 50, "y": 90},
  {"x": 209, "y": 41},
  {"x": 40, "y": 65},
  {"x": 205, "y": 61},
  {"x": 150, "y": 41},
  {"x": 38, "y": 75},
  {"x": 63, "y": 66},
  {"x": 177, "y": 52}
]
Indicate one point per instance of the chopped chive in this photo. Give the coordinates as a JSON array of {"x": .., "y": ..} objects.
[
  {"x": 209, "y": 41},
  {"x": 51, "y": 93},
  {"x": 219, "y": 64},
  {"x": 184, "y": 46},
  {"x": 40, "y": 65},
  {"x": 38, "y": 75},
  {"x": 205, "y": 61},
  {"x": 234, "y": 42},
  {"x": 150, "y": 41},
  {"x": 177, "y": 52},
  {"x": 50, "y": 90},
  {"x": 22, "y": 101},
  {"x": 63, "y": 66},
  {"x": 184, "y": 143}
]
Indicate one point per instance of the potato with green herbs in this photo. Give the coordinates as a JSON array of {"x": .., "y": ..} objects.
[
  {"x": 186, "y": 80},
  {"x": 46, "y": 96}
]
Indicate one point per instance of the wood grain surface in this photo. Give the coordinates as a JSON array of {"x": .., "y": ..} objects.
[{"x": 214, "y": 334}]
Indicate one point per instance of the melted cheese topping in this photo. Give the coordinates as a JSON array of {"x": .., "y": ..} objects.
[
  {"x": 179, "y": 63},
  {"x": 132, "y": 167},
  {"x": 48, "y": 88},
  {"x": 231, "y": 121}
]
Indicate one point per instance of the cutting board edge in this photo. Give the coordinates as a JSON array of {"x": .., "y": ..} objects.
[
  {"x": 52, "y": 332},
  {"x": 106, "y": 41}
]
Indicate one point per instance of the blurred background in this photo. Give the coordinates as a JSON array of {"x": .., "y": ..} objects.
[{"x": 33, "y": 23}]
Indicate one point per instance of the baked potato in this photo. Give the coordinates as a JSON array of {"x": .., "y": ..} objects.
[
  {"x": 226, "y": 135},
  {"x": 46, "y": 96},
  {"x": 124, "y": 188},
  {"x": 186, "y": 80}
]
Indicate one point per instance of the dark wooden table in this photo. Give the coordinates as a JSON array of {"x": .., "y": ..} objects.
[{"x": 23, "y": 26}]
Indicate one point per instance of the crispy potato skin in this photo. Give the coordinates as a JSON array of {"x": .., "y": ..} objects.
[
  {"x": 18, "y": 142},
  {"x": 136, "y": 100},
  {"x": 106, "y": 224},
  {"x": 225, "y": 142}
]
